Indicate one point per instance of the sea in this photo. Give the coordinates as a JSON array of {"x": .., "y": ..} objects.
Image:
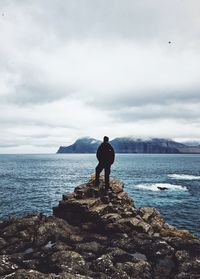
[{"x": 36, "y": 183}]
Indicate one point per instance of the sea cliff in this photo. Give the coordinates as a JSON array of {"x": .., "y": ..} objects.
[
  {"x": 97, "y": 234},
  {"x": 131, "y": 145}
]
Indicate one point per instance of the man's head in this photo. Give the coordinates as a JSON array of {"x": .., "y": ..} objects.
[{"x": 106, "y": 139}]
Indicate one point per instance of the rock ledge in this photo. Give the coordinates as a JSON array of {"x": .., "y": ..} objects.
[{"x": 97, "y": 234}]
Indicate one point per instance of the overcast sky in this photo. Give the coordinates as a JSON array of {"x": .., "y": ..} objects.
[{"x": 78, "y": 68}]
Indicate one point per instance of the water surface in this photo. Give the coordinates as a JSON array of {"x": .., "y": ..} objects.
[{"x": 35, "y": 183}]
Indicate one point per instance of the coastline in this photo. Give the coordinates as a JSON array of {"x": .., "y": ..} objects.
[{"x": 94, "y": 234}]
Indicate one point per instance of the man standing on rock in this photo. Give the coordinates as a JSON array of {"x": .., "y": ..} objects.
[{"x": 106, "y": 156}]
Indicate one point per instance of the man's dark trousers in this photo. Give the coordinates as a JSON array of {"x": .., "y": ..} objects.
[{"x": 99, "y": 169}]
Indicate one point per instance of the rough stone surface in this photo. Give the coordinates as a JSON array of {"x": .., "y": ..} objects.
[{"x": 97, "y": 234}]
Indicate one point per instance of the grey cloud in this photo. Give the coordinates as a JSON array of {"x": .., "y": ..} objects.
[
  {"x": 31, "y": 122},
  {"x": 140, "y": 98},
  {"x": 8, "y": 145},
  {"x": 30, "y": 94},
  {"x": 139, "y": 19},
  {"x": 33, "y": 86},
  {"x": 178, "y": 112},
  {"x": 111, "y": 57}
]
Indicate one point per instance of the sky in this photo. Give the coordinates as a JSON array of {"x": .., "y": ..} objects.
[{"x": 70, "y": 69}]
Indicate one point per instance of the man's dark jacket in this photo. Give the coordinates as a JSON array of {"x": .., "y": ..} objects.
[{"x": 106, "y": 154}]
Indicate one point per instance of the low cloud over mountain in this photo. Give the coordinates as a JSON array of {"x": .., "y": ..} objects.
[{"x": 131, "y": 145}]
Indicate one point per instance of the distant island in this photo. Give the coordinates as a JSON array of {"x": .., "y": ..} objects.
[{"x": 131, "y": 145}]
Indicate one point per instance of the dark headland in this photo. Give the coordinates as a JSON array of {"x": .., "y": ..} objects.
[
  {"x": 97, "y": 234},
  {"x": 131, "y": 145}
]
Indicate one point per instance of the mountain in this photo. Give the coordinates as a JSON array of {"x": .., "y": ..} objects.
[
  {"x": 192, "y": 143},
  {"x": 83, "y": 145},
  {"x": 130, "y": 145}
]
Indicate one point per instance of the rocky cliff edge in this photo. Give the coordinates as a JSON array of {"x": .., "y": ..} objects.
[{"x": 97, "y": 234}]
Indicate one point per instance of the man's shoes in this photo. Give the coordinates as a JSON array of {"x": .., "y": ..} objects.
[
  {"x": 107, "y": 188},
  {"x": 96, "y": 183}
]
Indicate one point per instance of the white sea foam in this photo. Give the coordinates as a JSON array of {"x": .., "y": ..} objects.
[
  {"x": 154, "y": 187},
  {"x": 184, "y": 176}
]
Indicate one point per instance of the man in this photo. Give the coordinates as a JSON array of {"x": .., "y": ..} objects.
[{"x": 105, "y": 155}]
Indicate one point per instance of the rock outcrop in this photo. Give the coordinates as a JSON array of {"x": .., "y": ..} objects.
[{"x": 97, "y": 234}]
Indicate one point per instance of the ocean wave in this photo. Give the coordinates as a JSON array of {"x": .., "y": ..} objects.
[
  {"x": 155, "y": 187},
  {"x": 184, "y": 176}
]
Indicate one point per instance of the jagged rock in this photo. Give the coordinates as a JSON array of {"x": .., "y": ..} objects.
[
  {"x": 7, "y": 265},
  {"x": 92, "y": 246},
  {"x": 67, "y": 261},
  {"x": 103, "y": 264},
  {"x": 97, "y": 234},
  {"x": 183, "y": 275},
  {"x": 164, "y": 268},
  {"x": 190, "y": 265},
  {"x": 91, "y": 203},
  {"x": 29, "y": 274},
  {"x": 182, "y": 256},
  {"x": 138, "y": 269},
  {"x": 2, "y": 243}
]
